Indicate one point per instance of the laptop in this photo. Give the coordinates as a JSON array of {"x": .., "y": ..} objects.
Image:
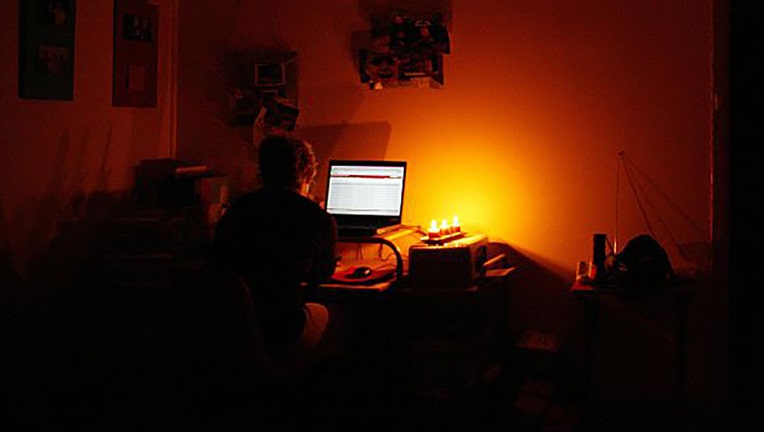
[{"x": 365, "y": 196}]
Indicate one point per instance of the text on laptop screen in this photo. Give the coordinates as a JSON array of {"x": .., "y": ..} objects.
[{"x": 365, "y": 188}]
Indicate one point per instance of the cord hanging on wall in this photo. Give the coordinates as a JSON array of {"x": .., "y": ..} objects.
[{"x": 644, "y": 203}]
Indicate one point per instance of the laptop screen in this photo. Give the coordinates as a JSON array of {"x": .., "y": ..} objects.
[{"x": 365, "y": 194}]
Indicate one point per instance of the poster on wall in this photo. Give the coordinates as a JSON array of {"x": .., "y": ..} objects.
[
  {"x": 404, "y": 50},
  {"x": 46, "y": 49},
  {"x": 136, "y": 32}
]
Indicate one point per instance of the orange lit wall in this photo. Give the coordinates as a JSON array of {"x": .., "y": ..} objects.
[
  {"x": 55, "y": 154},
  {"x": 522, "y": 142}
]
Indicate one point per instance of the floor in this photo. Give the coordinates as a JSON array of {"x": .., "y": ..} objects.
[
  {"x": 53, "y": 392},
  {"x": 525, "y": 398}
]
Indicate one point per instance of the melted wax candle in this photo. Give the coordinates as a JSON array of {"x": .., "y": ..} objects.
[{"x": 434, "y": 231}]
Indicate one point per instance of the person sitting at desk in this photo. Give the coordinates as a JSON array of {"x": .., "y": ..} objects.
[{"x": 276, "y": 239}]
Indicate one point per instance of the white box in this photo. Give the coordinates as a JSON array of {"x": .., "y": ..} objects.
[{"x": 454, "y": 265}]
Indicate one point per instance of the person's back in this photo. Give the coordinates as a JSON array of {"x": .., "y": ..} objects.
[{"x": 276, "y": 239}]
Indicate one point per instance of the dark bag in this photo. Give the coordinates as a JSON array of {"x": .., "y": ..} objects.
[{"x": 644, "y": 262}]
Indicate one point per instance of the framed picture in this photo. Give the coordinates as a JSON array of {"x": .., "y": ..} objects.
[
  {"x": 46, "y": 49},
  {"x": 269, "y": 74},
  {"x": 136, "y": 32}
]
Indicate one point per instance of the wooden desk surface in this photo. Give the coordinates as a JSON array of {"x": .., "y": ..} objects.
[{"x": 393, "y": 283}]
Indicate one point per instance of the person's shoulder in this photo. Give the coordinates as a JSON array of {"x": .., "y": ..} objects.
[
  {"x": 308, "y": 204},
  {"x": 278, "y": 198},
  {"x": 311, "y": 207},
  {"x": 242, "y": 206},
  {"x": 247, "y": 199}
]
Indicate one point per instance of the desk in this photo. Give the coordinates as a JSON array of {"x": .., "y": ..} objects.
[
  {"x": 443, "y": 340},
  {"x": 384, "y": 241},
  {"x": 440, "y": 343},
  {"x": 677, "y": 291}
]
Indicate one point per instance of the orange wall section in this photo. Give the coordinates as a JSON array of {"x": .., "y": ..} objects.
[
  {"x": 522, "y": 141},
  {"x": 54, "y": 154}
]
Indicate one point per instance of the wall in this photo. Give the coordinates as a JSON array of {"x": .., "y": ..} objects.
[
  {"x": 522, "y": 142},
  {"x": 54, "y": 155}
]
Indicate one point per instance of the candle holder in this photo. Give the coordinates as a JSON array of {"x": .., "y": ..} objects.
[{"x": 443, "y": 239}]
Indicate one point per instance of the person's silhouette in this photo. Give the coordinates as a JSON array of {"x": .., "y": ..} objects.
[{"x": 277, "y": 239}]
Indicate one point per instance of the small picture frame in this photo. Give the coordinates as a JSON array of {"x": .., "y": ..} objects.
[
  {"x": 137, "y": 27},
  {"x": 269, "y": 74}
]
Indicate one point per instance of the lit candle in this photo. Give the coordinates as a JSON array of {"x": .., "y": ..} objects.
[
  {"x": 455, "y": 227},
  {"x": 444, "y": 228},
  {"x": 434, "y": 231}
]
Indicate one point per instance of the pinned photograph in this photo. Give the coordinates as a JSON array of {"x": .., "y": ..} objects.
[
  {"x": 269, "y": 74},
  {"x": 269, "y": 96},
  {"x": 281, "y": 114},
  {"x": 405, "y": 50},
  {"x": 137, "y": 28},
  {"x": 54, "y": 12},
  {"x": 378, "y": 67}
]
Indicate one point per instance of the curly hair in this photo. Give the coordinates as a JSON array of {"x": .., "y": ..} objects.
[{"x": 286, "y": 162}]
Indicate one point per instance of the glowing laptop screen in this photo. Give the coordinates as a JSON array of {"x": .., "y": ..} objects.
[{"x": 366, "y": 193}]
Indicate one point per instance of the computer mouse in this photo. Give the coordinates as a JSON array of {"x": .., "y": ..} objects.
[{"x": 361, "y": 272}]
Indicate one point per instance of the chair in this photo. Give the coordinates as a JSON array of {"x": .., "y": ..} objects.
[{"x": 233, "y": 379}]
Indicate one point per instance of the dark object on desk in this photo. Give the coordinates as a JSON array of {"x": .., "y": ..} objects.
[
  {"x": 643, "y": 262},
  {"x": 599, "y": 254},
  {"x": 361, "y": 272},
  {"x": 348, "y": 232},
  {"x": 362, "y": 275}
]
